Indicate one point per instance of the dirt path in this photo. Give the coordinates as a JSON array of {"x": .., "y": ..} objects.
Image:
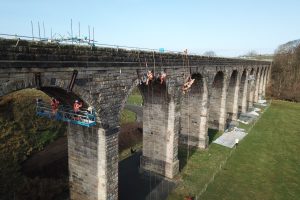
[{"x": 50, "y": 162}]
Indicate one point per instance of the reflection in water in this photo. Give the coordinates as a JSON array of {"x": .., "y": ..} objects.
[{"x": 133, "y": 185}]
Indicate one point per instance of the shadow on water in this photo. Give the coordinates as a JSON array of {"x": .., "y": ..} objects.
[{"x": 136, "y": 186}]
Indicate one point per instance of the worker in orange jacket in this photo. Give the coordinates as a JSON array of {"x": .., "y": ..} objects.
[
  {"x": 54, "y": 105},
  {"x": 77, "y": 105}
]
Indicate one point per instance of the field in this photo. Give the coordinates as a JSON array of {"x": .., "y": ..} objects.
[
  {"x": 126, "y": 115},
  {"x": 131, "y": 131},
  {"x": 266, "y": 165}
]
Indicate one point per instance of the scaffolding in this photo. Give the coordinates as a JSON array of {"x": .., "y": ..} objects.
[{"x": 66, "y": 114}]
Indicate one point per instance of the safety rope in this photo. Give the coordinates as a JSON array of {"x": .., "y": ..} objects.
[
  {"x": 186, "y": 67},
  {"x": 152, "y": 96}
]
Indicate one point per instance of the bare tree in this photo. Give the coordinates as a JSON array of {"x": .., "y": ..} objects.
[
  {"x": 286, "y": 74},
  {"x": 251, "y": 53},
  {"x": 210, "y": 53}
]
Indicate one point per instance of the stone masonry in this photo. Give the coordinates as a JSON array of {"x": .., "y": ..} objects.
[{"x": 106, "y": 76}]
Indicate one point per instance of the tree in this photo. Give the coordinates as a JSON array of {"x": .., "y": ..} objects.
[
  {"x": 210, "y": 53},
  {"x": 251, "y": 53},
  {"x": 286, "y": 73}
]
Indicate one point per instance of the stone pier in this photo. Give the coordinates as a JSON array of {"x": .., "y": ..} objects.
[
  {"x": 93, "y": 163},
  {"x": 217, "y": 109},
  {"x": 232, "y": 97},
  {"x": 257, "y": 84},
  {"x": 243, "y": 93},
  {"x": 251, "y": 88},
  {"x": 194, "y": 113},
  {"x": 160, "y": 131}
]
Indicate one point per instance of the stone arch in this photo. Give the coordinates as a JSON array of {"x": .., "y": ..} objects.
[
  {"x": 261, "y": 83},
  {"x": 54, "y": 89},
  {"x": 14, "y": 85},
  {"x": 257, "y": 82},
  {"x": 251, "y": 88},
  {"x": 135, "y": 84},
  {"x": 268, "y": 74},
  {"x": 194, "y": 105},
  {"x": 217, "y": 102},
  {"x": 232, "y": 97},
  {"x": 83, "y": 142},
  {"x": 242, "y": 102},
  {"x": 264, "y": 84}
]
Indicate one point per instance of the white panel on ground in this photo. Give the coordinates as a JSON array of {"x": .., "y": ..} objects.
[{"x": 228, "y": 139}]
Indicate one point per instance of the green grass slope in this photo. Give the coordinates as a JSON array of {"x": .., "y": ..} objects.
[
  {"x": 266, "y": 165},
  {"x": 21, "y": 134},
  {"x": 128, "y": 116}
]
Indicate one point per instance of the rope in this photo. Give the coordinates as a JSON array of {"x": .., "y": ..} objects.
[
  {"x": 186, "y": 66},
  {"x": 148, "y": 99},
  {"x": 188, "y": 136},
  {"x": 152, "y": 94},
  {"x": 153, "y": 63},
  {"x": 139, "y": 59},
  {"x": 188, "y": 144}
]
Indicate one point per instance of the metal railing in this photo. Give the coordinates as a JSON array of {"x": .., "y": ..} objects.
[
  {"x": 66, "y": 114},
  {"x": 88, "y": 42}
]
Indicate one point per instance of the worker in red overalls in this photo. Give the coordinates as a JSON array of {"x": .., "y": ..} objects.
[
  {"x": 187, "y": 85},
  {"x": 162, "y": 77},
  {"x": 54, "y": 106},
  {"x": 149, "y": 77},
  {"x": 77, "y": 105}
]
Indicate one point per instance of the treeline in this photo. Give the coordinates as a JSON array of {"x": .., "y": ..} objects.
[{"x": 285, "y": 78}]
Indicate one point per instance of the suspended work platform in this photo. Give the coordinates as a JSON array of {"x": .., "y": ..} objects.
[{"x": 66, "y": 114}]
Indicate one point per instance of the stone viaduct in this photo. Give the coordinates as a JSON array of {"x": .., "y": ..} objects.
[{"x": 223, "y": 88}]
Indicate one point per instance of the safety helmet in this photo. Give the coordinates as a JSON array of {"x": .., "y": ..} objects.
[{"x": 76, "y": 101}]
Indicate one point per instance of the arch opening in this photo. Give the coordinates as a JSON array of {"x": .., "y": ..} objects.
[
  {"x": 193, "y": 119},
  {"x": 257, "y": 83},
  {"x": 231, "y": 98},
  {"x": 142, "y": 138},
  {"x": 263, "y": 93},
  {"x": 242, "y": 107},
  {"x": 251, "y": 89},
  {"x": 217, "y": 101}
]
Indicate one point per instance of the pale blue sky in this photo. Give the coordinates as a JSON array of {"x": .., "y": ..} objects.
[{"x": 228, "y": 27}]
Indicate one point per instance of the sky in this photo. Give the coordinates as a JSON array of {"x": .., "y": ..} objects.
[{"x": 227, "y": 27}]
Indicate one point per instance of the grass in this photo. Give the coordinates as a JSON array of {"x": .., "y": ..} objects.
[
  {"x": 266, "y": 165},
  {"x": 129, "y": 116},
  {"x": 135, "y": 99}
]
